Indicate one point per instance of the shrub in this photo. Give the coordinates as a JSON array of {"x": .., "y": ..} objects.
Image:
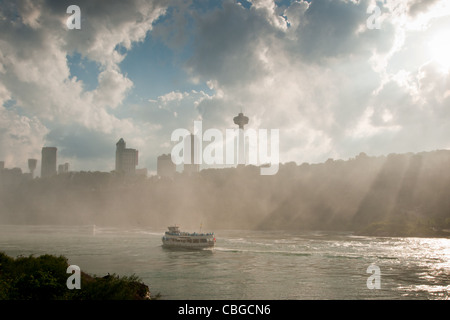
[{"x": 44, "y": 278}]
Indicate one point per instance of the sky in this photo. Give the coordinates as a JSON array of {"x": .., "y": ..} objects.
[{"x": 336, "y": 77}]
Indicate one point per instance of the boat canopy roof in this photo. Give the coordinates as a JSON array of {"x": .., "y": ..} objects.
[{"x": 174, "y": 229}]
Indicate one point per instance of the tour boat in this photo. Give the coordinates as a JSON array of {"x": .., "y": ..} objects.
[{"x": 174, "y": 238}]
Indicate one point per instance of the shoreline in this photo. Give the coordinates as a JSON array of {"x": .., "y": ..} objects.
[{"x": 49, "y": 277}]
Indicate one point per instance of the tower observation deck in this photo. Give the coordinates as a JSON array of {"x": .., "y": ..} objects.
[{"x": 240, "y": 120}]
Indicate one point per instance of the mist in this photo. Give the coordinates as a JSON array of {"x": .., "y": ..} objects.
[{"x": 397, "y": 194}]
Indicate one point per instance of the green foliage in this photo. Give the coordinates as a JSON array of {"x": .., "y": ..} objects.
[
  {"x": 44, "y": 278},
  {"x": 111, "y": 287},
  {"x": 33, "y": 278}
]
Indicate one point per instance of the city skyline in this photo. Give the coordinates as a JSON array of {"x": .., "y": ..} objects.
[
  {"x": 334, "y": 82},
  {"x": 240, "y": 144}
]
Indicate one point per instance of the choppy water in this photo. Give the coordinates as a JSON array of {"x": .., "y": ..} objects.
[{"x": 249, "y": 264}]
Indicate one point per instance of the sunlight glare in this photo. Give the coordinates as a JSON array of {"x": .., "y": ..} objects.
[{"x": 440, "y": 49}]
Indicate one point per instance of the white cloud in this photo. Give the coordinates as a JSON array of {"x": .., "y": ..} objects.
[
  {"x": 110, "y": 24},
  {"x": 21, "y": 134},
  {"x": 172, "y": 96},
  {"x": 365, "y": 128},
  {"x": 112, "y": 89}
]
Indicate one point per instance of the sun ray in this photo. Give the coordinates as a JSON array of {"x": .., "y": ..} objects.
[{"x": 439, "y": 48}]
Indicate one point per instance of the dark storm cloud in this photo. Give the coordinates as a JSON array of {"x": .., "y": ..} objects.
[
  {"x": 329, "y": 28},
  {"x": 420, "y": 6},
  {"x": 227, "y": 42}
]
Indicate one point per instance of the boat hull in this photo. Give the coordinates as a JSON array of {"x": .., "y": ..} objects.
[{"x": 186, "y": 246}]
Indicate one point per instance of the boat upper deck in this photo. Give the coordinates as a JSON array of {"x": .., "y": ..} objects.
[
  {"x": 187, "y": 234},
  {"x": 175, "y": 231}
]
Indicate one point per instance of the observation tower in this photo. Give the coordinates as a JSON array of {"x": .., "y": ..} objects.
[{"x": 241, "y": 120}]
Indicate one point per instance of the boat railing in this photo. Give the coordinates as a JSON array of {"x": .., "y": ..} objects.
[{"x": 189, "y": 234}]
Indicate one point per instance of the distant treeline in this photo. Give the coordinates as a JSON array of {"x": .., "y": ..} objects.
[{"x": 398, "y": 194}]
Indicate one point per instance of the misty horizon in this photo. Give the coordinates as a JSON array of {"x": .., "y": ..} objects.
[
  {"x": 179, "y": 168},
  {"x": 398, "y": 194}
]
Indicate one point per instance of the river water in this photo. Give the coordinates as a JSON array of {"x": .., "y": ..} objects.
[{"x": 250, "y": 264}]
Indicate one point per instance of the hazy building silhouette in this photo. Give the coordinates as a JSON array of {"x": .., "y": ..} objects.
[
  {"x": 165, "y": 166},
  {"x": 126, "y": 159},
  {"x": 32, "y": 163},
  {"x": 241, "y": 120},
  {"x": 142, "y": 172},
  {"x": 12, "y": 177},
  {"x": 48, "y": 161},
  {"x": 63, "y": 168},
  {"x": 2, "y": 165},
  {"x": 193, "y": 154}
]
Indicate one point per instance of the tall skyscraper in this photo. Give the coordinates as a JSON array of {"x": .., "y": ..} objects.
[
  {"x": 48, "y": 162},
  {"x": 193, "y": 154},
  {"x": 126, "y": 159}
]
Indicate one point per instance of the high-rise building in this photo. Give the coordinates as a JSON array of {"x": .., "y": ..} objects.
[
  {"x": 193, "y": 154},
  {"x": 165, "y": 166},
  {"x": 63, "y": 168},
  {"x": 126, "y": 159},
  {"x": 48, "y": 162}
]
